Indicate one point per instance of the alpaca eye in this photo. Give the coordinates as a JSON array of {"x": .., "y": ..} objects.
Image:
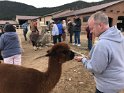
[{"x": 65, "y": 52}]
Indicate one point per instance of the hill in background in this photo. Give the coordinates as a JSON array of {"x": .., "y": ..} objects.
[{"x": 9, "y": 9}]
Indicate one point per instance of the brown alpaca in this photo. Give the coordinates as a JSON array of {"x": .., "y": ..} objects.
[{"x": 18, "y": 79}]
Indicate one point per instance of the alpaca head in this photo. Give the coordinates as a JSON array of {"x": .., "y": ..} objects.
[{"x": 61, "y": 51}]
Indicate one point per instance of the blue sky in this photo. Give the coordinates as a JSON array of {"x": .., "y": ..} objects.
[{"x": 48, "y": 3}]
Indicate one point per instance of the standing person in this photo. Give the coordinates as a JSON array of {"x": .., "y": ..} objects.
[
  {"x": 55, "y": 32},
  {"x": 34, "y": 34},
  {"x": 77, "y": 30},
  {"x": 64, "y": 30},
  {"x": 89, "y": 37},
  {"x": 60, "y": 28},
  {"x": 29, "y": 31},
  {"x": 70, "y": 29},
  {"x": 107, "y": 57},
  {"x": 25, "y": 29},
  {"x": 10, "y": 46}
]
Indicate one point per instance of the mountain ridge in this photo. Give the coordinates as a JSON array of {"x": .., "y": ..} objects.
[{"x": 9, "y": 9}]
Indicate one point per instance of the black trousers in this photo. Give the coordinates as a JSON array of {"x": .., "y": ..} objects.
[
  {"x": 24, "y": 33},
  {"x": 34, "y": 43},
  {"x": 55, "y": 38},
  {"x": 97, "y": 91},
  {"x": 1, "y": 58},
  {"x": 59, "y": 37},
  {"x": 71, "y": 34}
]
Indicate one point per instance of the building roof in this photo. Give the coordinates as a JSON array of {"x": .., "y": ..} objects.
[
  {"x": 90, "y": 9},
  {"x": 2, "y": 22},
  {"x": 61, "y": 13},
  {"x": 51, "y": 14},
  {"x": 19, "y": 17},
  {"x": 57, "y": 14}
]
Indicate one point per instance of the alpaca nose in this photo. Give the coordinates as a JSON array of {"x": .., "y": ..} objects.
[{"x": 72, "y": 55}]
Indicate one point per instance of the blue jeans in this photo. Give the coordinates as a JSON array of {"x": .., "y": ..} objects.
[{"x": 77, "y": 37}]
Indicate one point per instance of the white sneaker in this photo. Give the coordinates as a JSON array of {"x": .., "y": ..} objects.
[
  {"x": 78, "y": 44},
  {"x": 74, "y": 44},
  {"x": 35, "y": 48},
  {"x": 40, "y": 47}
]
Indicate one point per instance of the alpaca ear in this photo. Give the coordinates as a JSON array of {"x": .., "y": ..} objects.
[{"x": 48, "y": 53}]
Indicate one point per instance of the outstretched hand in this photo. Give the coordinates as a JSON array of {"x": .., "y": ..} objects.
[{"x": 78, "y": 58}]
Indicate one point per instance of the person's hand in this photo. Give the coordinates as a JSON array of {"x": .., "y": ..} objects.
[{"x": 78, "y": 58}]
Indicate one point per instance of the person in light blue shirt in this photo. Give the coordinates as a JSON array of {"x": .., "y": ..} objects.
[
  {"x": 55, "y": 32},
  {"x": 106, "y": 60}
]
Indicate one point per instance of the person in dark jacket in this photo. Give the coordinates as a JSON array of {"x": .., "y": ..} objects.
[
  {"x": 77, "y": 30},
  {"x": 70, "y": 29}
]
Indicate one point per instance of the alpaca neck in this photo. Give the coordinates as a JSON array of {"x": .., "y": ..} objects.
[{"x": 54, "y": 72}]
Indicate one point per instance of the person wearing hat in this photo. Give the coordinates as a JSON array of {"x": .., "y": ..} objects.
[{"x": 55, "y": 32}]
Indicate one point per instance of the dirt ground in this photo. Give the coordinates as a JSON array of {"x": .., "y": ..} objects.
[{"x": 74, "y": 79}]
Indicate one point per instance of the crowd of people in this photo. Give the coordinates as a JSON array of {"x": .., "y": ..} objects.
[
  {"x": 105, "y": 60},
  {"x": 32, "y": 33},
  {"x": 58, "y": 29},
  {"x": 61, "y": 28}
]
